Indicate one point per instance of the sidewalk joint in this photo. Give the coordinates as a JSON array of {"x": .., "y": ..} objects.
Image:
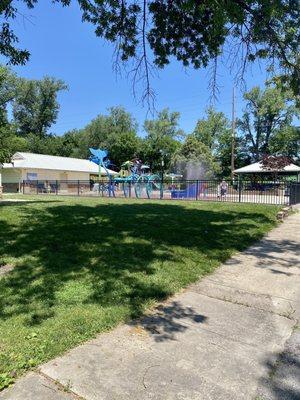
[{"x": 60, "y": 387}]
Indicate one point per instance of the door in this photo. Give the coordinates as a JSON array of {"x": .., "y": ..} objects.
[{"x": 63, "y": 181}]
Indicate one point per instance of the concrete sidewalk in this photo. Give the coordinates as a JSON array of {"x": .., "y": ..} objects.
[{"x": 233, "y": 335}]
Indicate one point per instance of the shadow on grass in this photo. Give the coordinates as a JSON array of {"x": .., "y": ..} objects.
[
  {"x": 119, "y": 250},
  {"x": 21, "y": 202}
]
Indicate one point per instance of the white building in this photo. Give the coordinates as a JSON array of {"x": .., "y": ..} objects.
[{"x": 33, "y": 167}]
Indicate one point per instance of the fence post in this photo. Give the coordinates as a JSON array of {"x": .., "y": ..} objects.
[
  {"x": 37, "y": 187},
  {"x": 56, "y": 187},
  {"x": 197, "y": 188},
  {"x": 129, "y": 189},
  {"x": 78, "y": 192},
  {"x": 161, "y": 188},
  {"x": 240, "y": 188}
]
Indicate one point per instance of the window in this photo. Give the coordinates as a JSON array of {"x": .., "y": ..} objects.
[{"x": 31, "y": 176}]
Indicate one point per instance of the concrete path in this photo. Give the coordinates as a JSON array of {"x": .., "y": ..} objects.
[{"x": 231, "y": 336}]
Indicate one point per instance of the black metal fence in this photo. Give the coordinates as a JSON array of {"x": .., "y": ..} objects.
[
  {"x": 294, "y": 193},
  {"x": 246, "y": 191}
]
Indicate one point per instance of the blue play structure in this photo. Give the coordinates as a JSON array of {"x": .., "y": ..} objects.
[
  {"x": 133, "y": 175},
  {"x": 100, "y": 157},
  {"x": 189, "y": 192},
  {"x": 192, "y": 190}
]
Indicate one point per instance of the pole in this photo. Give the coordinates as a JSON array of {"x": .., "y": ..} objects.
[
  {"x": 233, "y": 133},
  {"x": 240, "y": 187},
  {"x": 1, "y": 188},
  {"x": 162, "y": 178}
]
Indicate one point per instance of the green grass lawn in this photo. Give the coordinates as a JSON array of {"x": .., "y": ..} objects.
[{"x": 84, "y": 265}]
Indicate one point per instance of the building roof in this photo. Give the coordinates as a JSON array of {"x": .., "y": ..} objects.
[
  {"x": 258, "y": 167},
  {"x": 42, "y": 161}
]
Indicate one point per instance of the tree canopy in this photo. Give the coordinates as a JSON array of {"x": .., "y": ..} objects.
[
  {"x": 267, "y": 113},
  {"x": 193, "y": 32},
  {"x": 286, "y": 142},
  {"x": 10, "y": 143},
  {"x": 209, "y": 129},
  {"x": 115, "y": 131},
  {"x": 194, "y": 160},
  {"x": 35, "y": 105},
  {"x": 7, "y": 91},
  {"x": 266, "y": 128},
  {"x": 162, "y": 138}
]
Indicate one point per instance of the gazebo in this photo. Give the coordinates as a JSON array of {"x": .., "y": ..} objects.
[{"x": 258, "y": 169}]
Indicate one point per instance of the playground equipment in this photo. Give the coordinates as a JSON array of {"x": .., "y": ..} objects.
[
  {"x": 191, "y": 190},
  {"x": 100, "y": 157},
  {"x": 134, "y": 175}
]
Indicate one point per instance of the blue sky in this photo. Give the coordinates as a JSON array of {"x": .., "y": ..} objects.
[{"x": 64, "y": 47}]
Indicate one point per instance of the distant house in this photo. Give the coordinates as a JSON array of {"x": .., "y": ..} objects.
[{"x": 32, "y": 167}]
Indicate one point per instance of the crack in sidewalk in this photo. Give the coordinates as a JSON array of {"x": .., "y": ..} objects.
[
  {"x": 60, "y": 387},
  {"x": 237, "y": 302}
]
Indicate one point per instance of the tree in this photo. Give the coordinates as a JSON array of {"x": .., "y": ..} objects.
[
  {"x": 10, "y": 143},
  {"x": 162, "y": 138},
  {"x": 69, "y": 145},
  {"x": 275, "y": 164},
  {"x": 215, "y": 132},
  {"x": 124, "y": 146},
  {"x": 35, "y": 106},
  {"x": 195, "y": 160},
  {"x": 286, "y": 142},
  {"x": 223, "y": 152},
  {"x": 194, "y": 32},
  {"x": 267, "y": 112},
  {"x": 48, "y": 144},
  {"x": 7, "y": 92},
  {"x": 209, "y": 129},
  {"x": 115, "y": 132}
]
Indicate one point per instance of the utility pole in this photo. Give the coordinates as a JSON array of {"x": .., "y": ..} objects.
[{"x": 233, "y": 134}]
